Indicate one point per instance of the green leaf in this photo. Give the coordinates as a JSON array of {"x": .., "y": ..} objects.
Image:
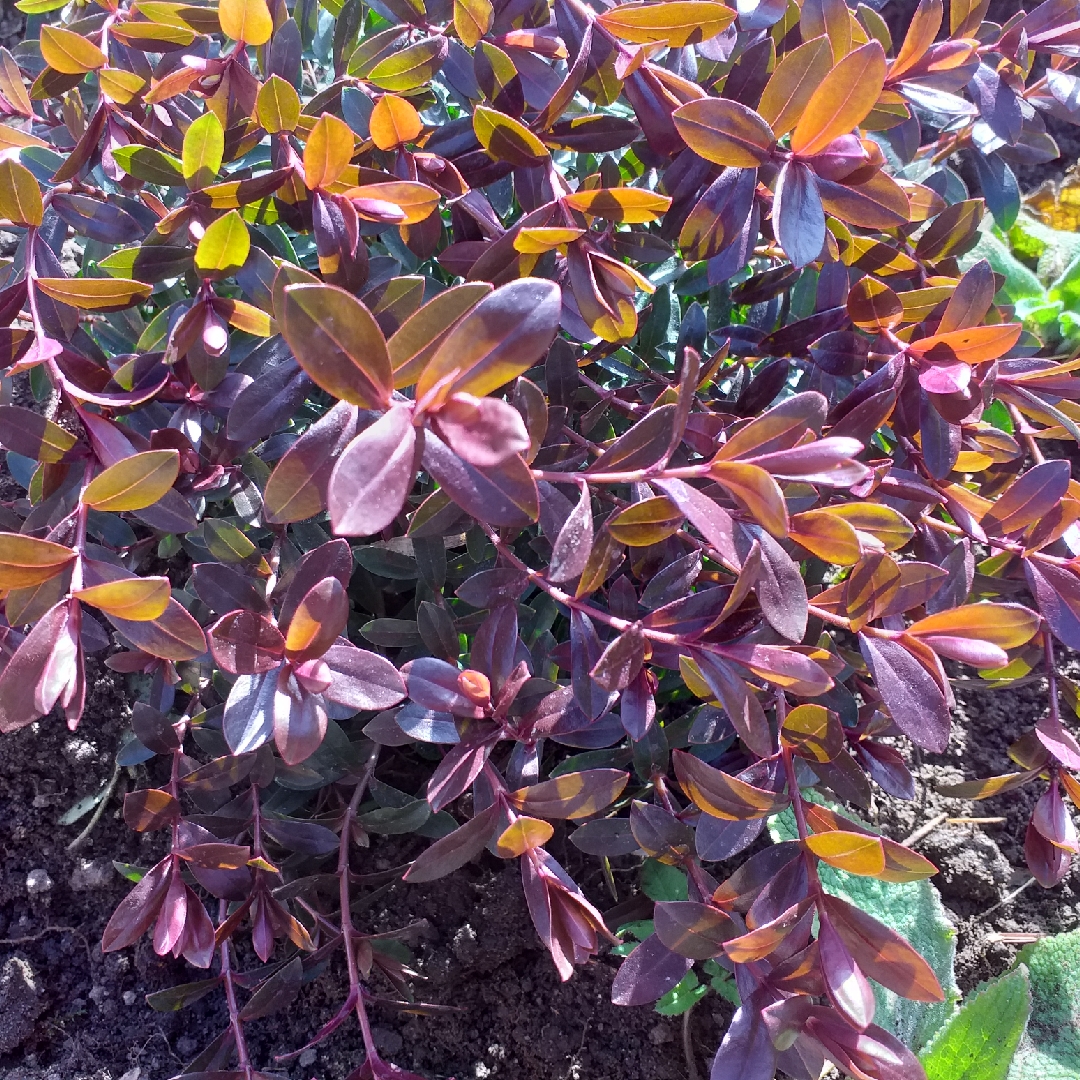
[
  {"x": 204, "y": 150},
  {"x": 146, "y": 163},
  {"x": 682, "y": 997},
  {"x": 129, "y": 871},
  {"x": 979, "y": 1040},
  {"x": 224, "y": 246},
  {"x": 39, "y": 7},
  {"x": 1050, "y": 1049},
  {"x": 662, "y": 882},
  {"x": 1020, "y": 282},
  {"x": 914, "y": 910}
]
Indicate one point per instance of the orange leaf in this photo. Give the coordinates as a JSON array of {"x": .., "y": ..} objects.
[
  {"x": 725, "y": 132},
  {"x": 842, "y": 101},
  {"x": 394, "y": 122},
  {"x": 721, "y": 795},
  {"x": 761, "y": 941},
  {"x": 793, "y": 83},
  {"x": 26, "y": 561},
  {"x": 826, "y": 536},
  {"x": 752, "y": 486},
  {"x": 922, "y": 30},
  {"x": 1005, "y": 625},
  {"x": 972, "y": 346},
  {"x": 677, "y": 22}
]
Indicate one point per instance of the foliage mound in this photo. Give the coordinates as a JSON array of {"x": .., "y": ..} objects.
[{"x": 627, "y": 379}]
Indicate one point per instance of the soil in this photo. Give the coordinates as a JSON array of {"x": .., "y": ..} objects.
[{"x": 68, "y": 1012}]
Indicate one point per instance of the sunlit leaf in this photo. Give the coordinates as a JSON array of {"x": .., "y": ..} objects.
[{"x": 134, "y": 483}]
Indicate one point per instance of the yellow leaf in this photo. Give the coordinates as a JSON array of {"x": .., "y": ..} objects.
[
  {"x": 278, "y": 105},
  {"x": 248, "y": 21},
  {"x": 120, "y": 86},
  {"x": 138, "y": 599},
  {"x": 538, "y": 239},
  {"x": 472, "y": 20},
  {"x": 95, "y": 294},
  {"x": 646, "y": 522},
  {"x": 507, "y": 139},
  {"x": 631, "y": 205},
  {"x": 329, "y": 150},
  {"x": 134, "y": 483},
  {"x": 20, "y": 196},
  {"x": 854, "y": 852},
  {"x": 525, "y": 834},
  {"x": 68, "y": 52},
  {"x": 880, "y": 525}
]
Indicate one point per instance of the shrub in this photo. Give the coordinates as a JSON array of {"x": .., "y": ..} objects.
[{"x": 623, "y": 378}]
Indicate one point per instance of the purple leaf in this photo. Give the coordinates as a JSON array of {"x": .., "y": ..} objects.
[
  {"x": 374, "y": 475},
  {"x": 648, "y": 973},
  {"x": 911, "y": 693},
  {"x": 798, "y": 215}
]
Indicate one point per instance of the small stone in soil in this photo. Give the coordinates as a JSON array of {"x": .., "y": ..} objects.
[
  {"x": 660, "y": 1034},
  {"x": 20, "y": 1003},
  {"x": 186, "y": 1046},
  {"x": 308, "y": 1058},
  {"x": 92, "y": 874},
  {"x": 78, "y": 752},
  {"x": 129, "y": 997},
  {"x": 38, "y": 884}
]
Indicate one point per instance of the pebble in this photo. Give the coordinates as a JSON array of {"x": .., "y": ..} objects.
[
  {"x": 90, "y": 874},
  {"x": 186, "y": 1046},
  {"x": 20, "y": 1003},
  {"x": 98, "y": 994},
  {"x": 307, "y": 1058},
  {"x": 38, "y": 884},
  {"x": 660, "y": 1034},
  {"x": 78, "y": 752},
  {"x": 465, "y": 946},
  {"x": 129, "y": 997}
]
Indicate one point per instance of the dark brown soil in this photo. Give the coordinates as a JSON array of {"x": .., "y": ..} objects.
[{"x": 478, "y": 954}]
